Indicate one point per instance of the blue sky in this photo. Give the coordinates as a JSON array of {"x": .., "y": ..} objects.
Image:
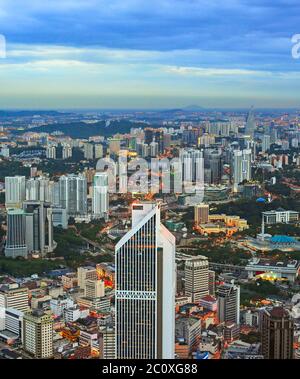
[{"x": 141, "y": 53}]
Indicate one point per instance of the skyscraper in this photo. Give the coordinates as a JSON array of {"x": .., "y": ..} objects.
[
  {"x": 73, "y": 194},
  {"x": 277, "y": 332},
  {"x": 229, "y": 303},
  {"x": 196, "y": 278},
  {"x": 100, "y": 200},
  {"x": 266, "y": 143},
  {"x": 15, "y": 191},
  {"x": 145, "y": 287},
  {"x": 241, "y": 166},
  {"x": 250, "y": 123},
  {"x": 39, "y": 227},
  {"x": 16, "y": 234}
]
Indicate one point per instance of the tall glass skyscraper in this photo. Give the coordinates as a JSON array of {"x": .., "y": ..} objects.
[{"x": 145, "y": 287}]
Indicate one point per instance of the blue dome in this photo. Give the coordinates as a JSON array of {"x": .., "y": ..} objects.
[
  {"x": 283, "y": 239},
  {"x": 260, "y": 200}
]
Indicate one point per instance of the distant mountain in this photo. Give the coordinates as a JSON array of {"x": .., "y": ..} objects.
[
  {"x": 193, "y": 108},
  {"x": 85, "y": 130},
  {"x": 30, "y": 113}
]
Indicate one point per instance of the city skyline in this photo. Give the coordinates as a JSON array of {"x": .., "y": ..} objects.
[{"x": 159, "y": 55}]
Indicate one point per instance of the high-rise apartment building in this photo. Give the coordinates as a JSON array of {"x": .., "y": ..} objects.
[
  {"x": 196, "y": 277},
  {"x": 241, "y": 167},
  {"x": 228, "y": 295},
  {"x": 15, "y": 191},
  {"x": 73, "y": 194},
  {"x": 100, "y": 200},
  {"x": 145, "y": 287},
  {"x": 38, "y": 334},
  {"x": 277, "y": 333}
]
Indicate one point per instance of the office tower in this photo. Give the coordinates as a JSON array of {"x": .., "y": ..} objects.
[
  {"x": 98, "y": 151},
  {"x": 100, "y": 200},
  {"x": 13, "y": 296},
  {"x": 66, "y": 152},
  {"x": 15, "y": 191},
  {"x": 94, "y": 288},
  {"x": 228, "y": 295},
  {"x": 266, "y": 143},
  {"x": 38, "y": 334},
  {"x": 277, "y": 333},
  {"x": 250, "y": 124},
  {"x": 39, "y": 227},
  {"x": 211, "y": 282},
  {"x": 51, "y": 152},
  {"x": 114, "y": 146},
  {"x": 88, "y": 151},
  {"x": 107, "y": 343},
  {"x": 84, "y": 273},
  {"x": 196, "y": 277},
  {"x": 145, "y": 287},
  {"x": 201, "y": 213},
  {"x": 241, "y": 166},
  {"x": 73, "y": 194},
  {"x": 16, "y": 234}
]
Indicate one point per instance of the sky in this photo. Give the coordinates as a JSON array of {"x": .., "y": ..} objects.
[{"x": 149, "y": 54}]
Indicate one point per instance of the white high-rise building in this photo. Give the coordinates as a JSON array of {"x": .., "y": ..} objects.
[
  {"x": 196, "y": 278},
  {"x": 266, "y": 143},
  {"x": 15, "y": 191},
  {"x": 73, "y": 194},
  {"x": 66, "y": 152},
  {"x": 100, "y": 200},
  {"x": 51, "y": 152},
  {"x": 145, "y": 287},
  {"x": 241, "y": 166}
]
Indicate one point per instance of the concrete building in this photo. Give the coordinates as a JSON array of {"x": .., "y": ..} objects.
[
  {"x": 38, "y": 334},
  {"x": 196, "y": 278},
  {"x": 228, "y": 296},
  {"x": 277, "y": 333},
  {"x": 94, "y": 288},
  {"x": 13, "y": 296},
  {"x": 201, "y": 213}
]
